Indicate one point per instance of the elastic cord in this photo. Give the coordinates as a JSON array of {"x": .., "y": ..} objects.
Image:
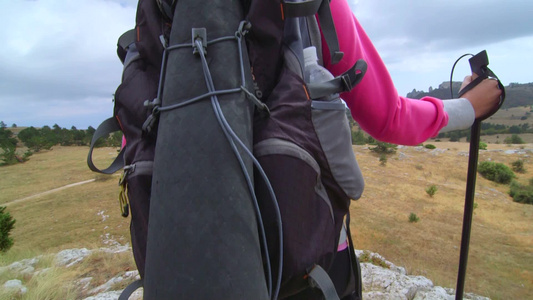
[{"x": 232, "y": 138}]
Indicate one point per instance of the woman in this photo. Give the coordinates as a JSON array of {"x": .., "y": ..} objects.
[{"x": 382, "y": 113}]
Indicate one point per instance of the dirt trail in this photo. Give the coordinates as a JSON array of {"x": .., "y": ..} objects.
[{"x": 49, "y": 192}]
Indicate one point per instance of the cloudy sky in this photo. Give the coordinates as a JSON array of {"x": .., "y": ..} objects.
[{"x": 58, "y": 63}]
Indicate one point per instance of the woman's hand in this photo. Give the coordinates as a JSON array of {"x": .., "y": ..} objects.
[{"x": 484, "y": 96}]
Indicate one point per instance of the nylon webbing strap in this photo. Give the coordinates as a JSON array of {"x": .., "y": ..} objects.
[
  {"x": 342, "y": 83},
  {"x": 329, "y": 32},
  {"x": 472, "y": 84},
  {"x": 312, "y": 7},
  {"x": 108, "y": 126},
  {"x": 143, "y": 167},
  {"x": 356, "y": 266},
  {"x": 300, "y": 9},
  {"x": 320, "y": 279},
  {"x": 486, "y": 74},
  {"x": 125, "y": 40},
  {"x": 132, "y": 287}
]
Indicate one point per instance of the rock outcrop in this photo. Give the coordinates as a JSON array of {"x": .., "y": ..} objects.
[{"x": 386, "y": 281}]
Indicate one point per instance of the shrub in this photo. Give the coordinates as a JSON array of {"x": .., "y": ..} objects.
[
  {"x": 413, "y": 218},
  {"x": 429, "y": 146},
  {"x": 367, "y": 257},
  {"x": 383, "y": 159},
  {"x": 385, "y": 148},
  {"x": 482, "y": 146},
  {"x": 496, "y": 172},
  {"x": 518, "y": 166},
  {"x": 6, "y": 224},
  {"x": 454, "y": 136},
  {"x": 514, "y": 139},
  {"x": 358, "y": 137},
  {"x": 431, "y": 190},
  {"x": 521, "y": 193}
]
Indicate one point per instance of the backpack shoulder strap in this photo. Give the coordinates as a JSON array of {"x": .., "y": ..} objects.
[
  {"x": 329, "y": 32},
  {"x": 315, "y": 37},
  {"x": 310, "y": 35},
  {"x": 310, "y": 8}
]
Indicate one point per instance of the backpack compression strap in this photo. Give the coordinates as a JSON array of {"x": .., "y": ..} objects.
[
  {"x": 342, "y": 83},
  {"x": 108, "y": 126},
  {"x": 356, "y": 265},
  {"x": 312, "y": 7},
  {"x": 318, "y": 278},
  {"x": 124, "y": 41},
  {"x": 132, "y": 287}
]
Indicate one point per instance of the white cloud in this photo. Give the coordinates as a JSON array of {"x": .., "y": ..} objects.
[
  {"x": 420, "y": 40},
  {"x": 60, "y": 53},
  {"x": 58, "y": 57}
]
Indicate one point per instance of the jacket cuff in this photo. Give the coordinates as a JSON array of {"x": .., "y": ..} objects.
[{"x": 461, "y": 114}]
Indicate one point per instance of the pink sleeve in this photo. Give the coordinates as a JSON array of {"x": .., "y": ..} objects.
[{"x": 374, "y": 102}]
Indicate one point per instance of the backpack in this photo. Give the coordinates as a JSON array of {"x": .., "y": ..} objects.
[{"x": 303, "y": 167}]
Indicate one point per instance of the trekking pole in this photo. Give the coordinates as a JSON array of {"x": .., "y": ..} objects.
[{"x": 478, "y": 64}]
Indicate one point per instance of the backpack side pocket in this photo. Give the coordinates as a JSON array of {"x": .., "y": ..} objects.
[
  {"x": 333, "y": 131},
  {"x": 306, "y": 211}
]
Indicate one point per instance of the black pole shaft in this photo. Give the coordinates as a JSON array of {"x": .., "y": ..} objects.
[{"x": 469, "y": 206}]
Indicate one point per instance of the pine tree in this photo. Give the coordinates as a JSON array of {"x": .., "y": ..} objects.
[{"x": 6, "y": 224}]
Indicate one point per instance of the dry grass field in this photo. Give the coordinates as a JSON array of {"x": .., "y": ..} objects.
[
  {"x": 512, "y": 116},
  {"x": 501, "y": 251}
]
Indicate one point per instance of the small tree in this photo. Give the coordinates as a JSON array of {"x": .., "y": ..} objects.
[
  {"x": 6, "y": 224},
  {"x": 413, "y": 218},
  {"x": 358, "y": 137},
  {"x": 431, "y": 190},
  {"x": 384, "y": 148},
  {"x": 8, "y": 146},
  {"x": 383, "y": 159}
]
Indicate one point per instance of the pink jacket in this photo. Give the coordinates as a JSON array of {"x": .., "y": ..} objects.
[{"x": 375, "y": 103}]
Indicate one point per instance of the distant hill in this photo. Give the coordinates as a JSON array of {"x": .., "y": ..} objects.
[{"x": 517, "y": 94}]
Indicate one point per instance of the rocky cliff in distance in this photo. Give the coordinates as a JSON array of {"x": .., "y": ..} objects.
[{"x": 517, "y": 94}]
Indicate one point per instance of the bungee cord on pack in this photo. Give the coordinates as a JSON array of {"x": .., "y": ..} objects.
[
  {"x": 232, "y": 138},
  {"x": 199, "y": 45}
]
